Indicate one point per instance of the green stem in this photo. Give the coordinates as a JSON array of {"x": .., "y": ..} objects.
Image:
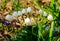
[
  {"x": 52, "y": 2},
  {"x": 51, "y": 30},
  {"x": 39, "y": 32},
  {"x": 36, "y": 4},
  {"x": 58, "y": 39}
]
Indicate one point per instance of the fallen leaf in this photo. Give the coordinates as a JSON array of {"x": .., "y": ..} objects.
[
  {"x": 45, "y": 1},
  {"x": 9, "y": 6},
  {"x": 5, "y": 13}
]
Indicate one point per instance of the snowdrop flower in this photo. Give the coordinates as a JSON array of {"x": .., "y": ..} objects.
[
  {"x": 19, "y": 13},
  {"x": 9, "y": 17},
  {"x": 40, "y": 11},
  {"x": 45, "y": 14},
  {"x": 29, "y": 9},
  {"x": 27, "y": 20},
  {"x": 47, "y": 28},
  {"x": 50, "y": 17},
  {"x": 24, "y": 11},
  {"x": 15, "y": 14}
]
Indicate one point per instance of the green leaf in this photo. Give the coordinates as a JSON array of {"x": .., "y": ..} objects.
[
  {"x": 58, "y": 39},
  {"x": 52, "y": 2}
]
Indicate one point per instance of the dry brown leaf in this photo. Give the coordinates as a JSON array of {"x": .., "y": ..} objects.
[
  {"x": 5, "y": 32},
  {"x": 0, "y": 1},
  {"x": 9, "y": 6},
  {"x": 18, "y": 24},
  {"x": 32, "y": 20},
  {"x": 20, "y": 18},
  {"x": 29, "y": 1},
  {"x": 45, "y": 1},
  {"x": 0, "y": 16},
  {"x": 23, "y": 3},
  {"x": 5, "y": 13},
  {"x": 21, "y": 0}
]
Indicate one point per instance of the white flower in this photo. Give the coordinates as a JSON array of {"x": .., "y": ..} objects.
[
  {"x": 47, "y": 28},
  {"x": 40, "y": 11},
  {"x": 45, "y": 14},
  {"x": 29, "y": 9},
  {"x": 23, "y": 11},
  {"x": 9, "y": 17},
  {"x": 19, "y": 13},
  {"x": 15, "y": 14},
  {"x": 50, "y": 17},
  {"x": 27, "y": 20}
]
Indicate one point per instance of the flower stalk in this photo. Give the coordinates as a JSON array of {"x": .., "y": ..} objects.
[{"x": 51, "y": 30}]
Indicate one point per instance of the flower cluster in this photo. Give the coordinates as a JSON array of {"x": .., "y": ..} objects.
[
  {"x": 28, "y": 10},
  {"x": 18, "y": 13},
  {"x": 49, "y": 16}
]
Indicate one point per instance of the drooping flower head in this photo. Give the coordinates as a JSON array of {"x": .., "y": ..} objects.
[
  {"x": 27, "y": 20},
  {"x": 24, "y": 11},
  {"x": 50, "y": 17},
  {"x": 15, "y": 14},
  {"x": 45, "y": 14},
  {"x": 19, "y": 13},
  {"x": 40, "y": 11},
  {"x": 29, "y": 9},
  {"x": 9, "y": 17}
]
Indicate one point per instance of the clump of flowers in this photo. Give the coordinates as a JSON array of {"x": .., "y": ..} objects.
[{"x": 27, "y": 20}]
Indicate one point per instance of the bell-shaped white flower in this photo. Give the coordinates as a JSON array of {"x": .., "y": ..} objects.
[
  {"x": 47, "y": 28},
  {"x": 27, "y": 20},
  {"x": 29, "y": 9},
  {"x": 9, "y": 17},
  {"x": 40, "y": 11},
  {"x": 24, "y": 11},
  {"x": 50, "y": 17},
  {"x": 15, "y": 14},
  {"x": 19, "y": 13},
  {"x": 45, "y": 14}
]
